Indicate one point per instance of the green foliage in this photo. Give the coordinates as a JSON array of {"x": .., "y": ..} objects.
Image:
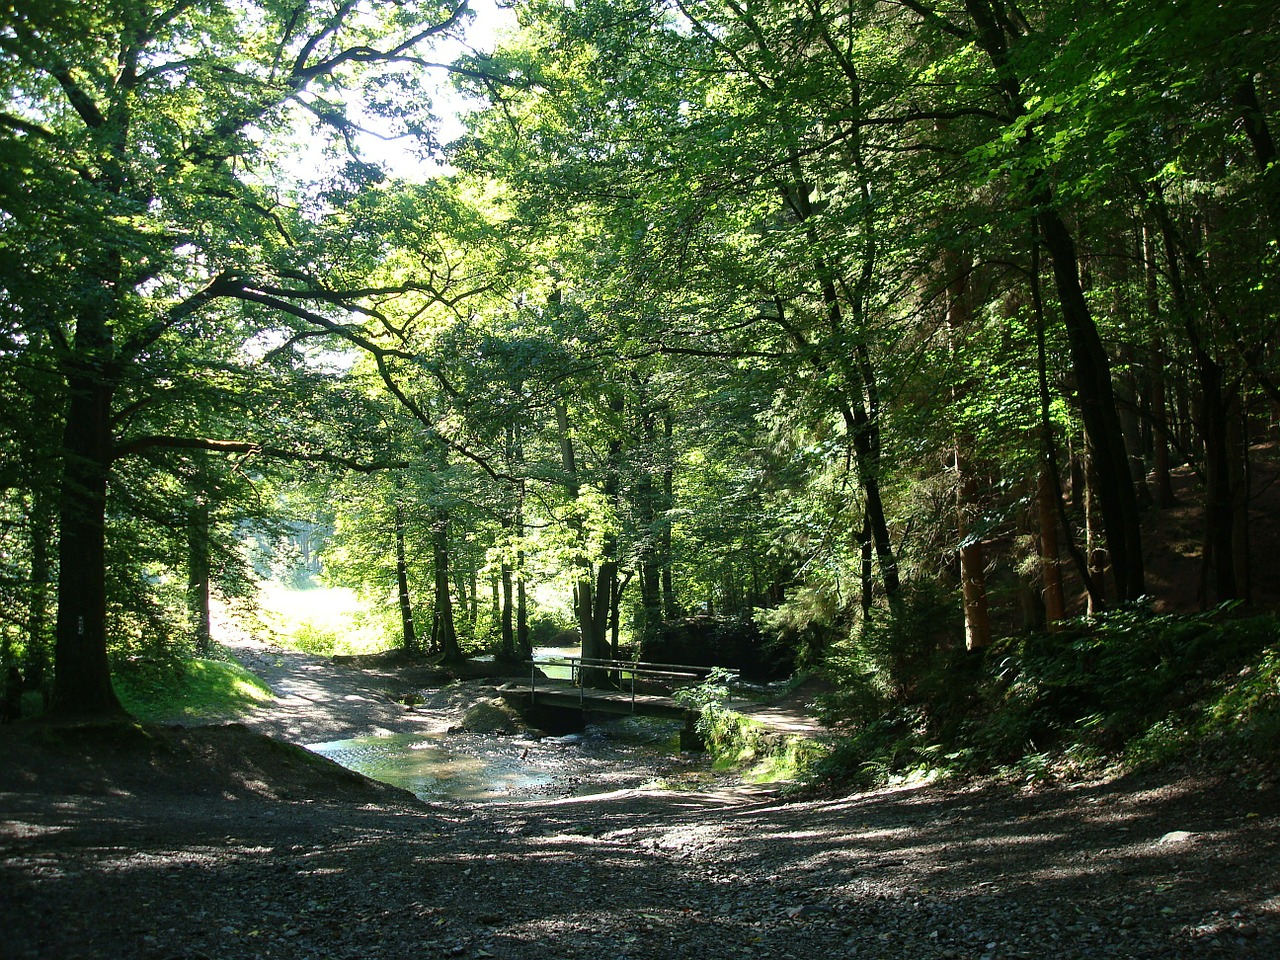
[
  {"x": 892, "y": 654},
  {"x": 792, "y": 760},
  {"x": 737, "y": 742},
  {"x": 808, "y": 623},
  {"x": 1127, "y": 687},
  {"x": 188, "y": 689},
  {"x": 711, "y": 693},
  {"x": 1112, "y": 679},
  {"x": 732, "y": 739}
]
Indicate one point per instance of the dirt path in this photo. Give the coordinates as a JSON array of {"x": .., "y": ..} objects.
[
  {"x": 215, "y": 843},
  {"x": 319, "y": 700}
]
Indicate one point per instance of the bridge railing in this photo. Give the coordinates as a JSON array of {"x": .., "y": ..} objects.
[{"x": 673, "y": 673}]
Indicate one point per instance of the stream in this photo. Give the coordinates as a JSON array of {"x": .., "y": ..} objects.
[{"x": 621, "y": 754}]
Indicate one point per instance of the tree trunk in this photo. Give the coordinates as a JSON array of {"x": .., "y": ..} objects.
[
  {"x": 1114, "y": 491},
  {"x": 507, "y": 643},
  {"x": 857, "y": 398},
  {"x": 444, "y": 635},
  {"x": 973, "y": 588},
  {"x": 1162, "y": 478},
  {"x": 1264, "y": 149},
  {"x": 408, "y": 635},
  {"x": 198, "y": 575},
  {"x": 1104, "y": 440},
  {"x": 866, "y": 568},
  {"x": 1050, "y": 564},
  {"x": 583, "y": 590},
  {"x": 1218, "y": 575},
  {"x": 1049, "y": 450},
  {"x": 668, "y": 496},
  {"x": 35, "y": 664},
  {"x": 82, "y": 672},
  {"x": 648, "y": 518},
  {"x": 1131, "y": 428},
  {"x": 1240, "y": 480},
  {"x": 1094, "y": 540},
  {"x": 524, "y": 646},
  {"x": 606, "y": 585}
]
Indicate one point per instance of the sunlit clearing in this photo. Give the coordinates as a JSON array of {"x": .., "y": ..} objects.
[{"x": 320, "y": 620}]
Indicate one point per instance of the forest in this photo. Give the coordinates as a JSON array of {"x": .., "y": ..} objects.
[{"x": 885, "y": 339}]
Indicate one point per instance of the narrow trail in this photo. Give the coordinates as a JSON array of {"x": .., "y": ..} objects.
[{"x": 319, "y": 699}]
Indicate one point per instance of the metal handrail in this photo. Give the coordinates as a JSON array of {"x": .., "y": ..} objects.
[{"x": 634, "y": 667}]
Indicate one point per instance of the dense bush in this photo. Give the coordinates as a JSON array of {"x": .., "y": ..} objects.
[{"x": 1129, "y": 686}]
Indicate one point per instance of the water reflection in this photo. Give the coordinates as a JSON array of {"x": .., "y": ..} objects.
[
  {"x": 434, "y": 768},
  {"x": 626, "y": 753}
]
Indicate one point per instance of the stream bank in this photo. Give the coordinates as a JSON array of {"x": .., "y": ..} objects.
[{"x": 407, "y": 725}]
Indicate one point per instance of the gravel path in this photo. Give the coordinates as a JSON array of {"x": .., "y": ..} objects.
[
  {"x": 318, "y": 700},
  {"x": 169, "y": 861}
]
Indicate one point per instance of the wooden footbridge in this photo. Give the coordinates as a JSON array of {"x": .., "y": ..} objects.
[{"x": 612, "y": 687}]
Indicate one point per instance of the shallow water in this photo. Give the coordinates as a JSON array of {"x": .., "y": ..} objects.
[{"x": 624, "y": 753}]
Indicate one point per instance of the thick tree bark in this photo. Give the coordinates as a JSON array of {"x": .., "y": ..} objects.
[
  {"x": 524, "y": 646},
  {"x": 1117, "y": 503},
  {"x": 1264, "y": 149},
  {"x": 507, "y": 642},
  {"x": 995, "y": 32},
  {"x": 1049, "y": 468},
  {"x": 82, "y": 672},
  {"x": 866, "y": 568},
  {"x": 1050, "y": 564}
]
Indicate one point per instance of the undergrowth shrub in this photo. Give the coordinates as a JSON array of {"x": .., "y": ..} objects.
[{"x": 1129, "y": 686}]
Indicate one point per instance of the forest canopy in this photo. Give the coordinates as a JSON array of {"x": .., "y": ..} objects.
[{"x": 855, "y": 332}]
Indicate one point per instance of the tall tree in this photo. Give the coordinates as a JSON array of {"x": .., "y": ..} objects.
[{"x": 139, "y": 130}]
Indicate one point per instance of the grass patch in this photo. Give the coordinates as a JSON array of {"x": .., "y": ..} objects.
[
  {"x": 789, "y": 760},
  {"x": 737, "y": 742},
  {"x": 325, "y": 621},
  {"x": 188, "y": 690}
]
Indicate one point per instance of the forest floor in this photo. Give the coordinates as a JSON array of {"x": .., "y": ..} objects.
[{"x": 219, "y": 842}]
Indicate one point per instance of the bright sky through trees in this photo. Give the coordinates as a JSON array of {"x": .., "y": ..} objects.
[{"x": 404, "y": 156}]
